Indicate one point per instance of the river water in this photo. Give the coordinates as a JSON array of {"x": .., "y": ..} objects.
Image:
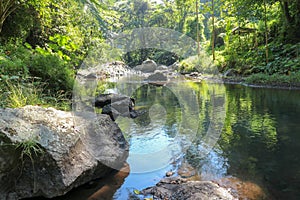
[{"x": 218, "y": 131}]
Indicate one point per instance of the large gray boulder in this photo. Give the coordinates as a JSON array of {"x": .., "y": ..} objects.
[
  {"x": 43, "y": 152},
  {"x": 148, "y": 66},
  {"x": 157, "y": 79}
]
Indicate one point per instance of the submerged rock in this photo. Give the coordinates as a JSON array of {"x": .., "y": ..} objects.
[
  {"x": 243, "y": 189},
  {"x": 186, "y": 170},
  {"x": 177, "y": 188},
  {"x": 44, "y": 153}
]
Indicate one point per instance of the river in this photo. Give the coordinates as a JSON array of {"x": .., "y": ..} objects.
[{"x": 256, "y": 138}]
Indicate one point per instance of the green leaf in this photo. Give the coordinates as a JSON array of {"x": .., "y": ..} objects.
[
  {"x": 14, "y": 77},
  {"x": 137, "y": 192},
  {"x": 28, "y": 46}
]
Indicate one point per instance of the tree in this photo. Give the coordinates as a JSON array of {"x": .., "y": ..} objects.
[
  {"x": 266, "y": 32},
  {"x": 197, "y": 32},
  {"x": 183, "y": 8},
  {"x": 291, "y": 14},
  {"x": 213, "y": 30},
  {"x": 6, "y": 8}
]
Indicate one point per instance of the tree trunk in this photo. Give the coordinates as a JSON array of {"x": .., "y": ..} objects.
[
  {"x": 1, "y": 25},
  {"x": 213, "y": 30},
  {"x": 182, "y": 21},
  {"x": 197, "y": 20},
  {"x": 6, "y": 8},
  {"x": 286, "y": 11},
  {"x": 266, "y": 32},
  {"x": 291, "y": 14}
]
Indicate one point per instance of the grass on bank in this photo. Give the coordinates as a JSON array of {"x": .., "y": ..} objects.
[
  {"x": 17, "y": 94},
  {"x": 291, "y": 80}
]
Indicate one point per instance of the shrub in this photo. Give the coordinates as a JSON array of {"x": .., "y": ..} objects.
[
  {"x": 275, "y": 79},
  {"x": 52, "y": 70},
  {"x": 202, "y": 64},
  {"x": 12, "y": 60}
]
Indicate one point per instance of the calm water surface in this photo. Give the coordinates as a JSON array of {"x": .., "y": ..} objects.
[{"x": 259, "y": 140}]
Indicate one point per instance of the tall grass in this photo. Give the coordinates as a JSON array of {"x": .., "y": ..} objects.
[{"x": 19, "y": 94}]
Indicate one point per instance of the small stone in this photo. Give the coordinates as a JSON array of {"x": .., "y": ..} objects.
[
  {"x": 169, "y": 173},
  {"x": 186, "y": 170}
]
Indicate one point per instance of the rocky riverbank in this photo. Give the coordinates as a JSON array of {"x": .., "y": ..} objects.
[
  {"x": 186, "y": 183},
  {"x": 160, "y": 74},
  {"x": 227, "y": 188}
]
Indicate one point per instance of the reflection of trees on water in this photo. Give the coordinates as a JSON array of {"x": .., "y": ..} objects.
[
  {"x": 260, "y": 137},
  {"x": 148, "y": 95}
]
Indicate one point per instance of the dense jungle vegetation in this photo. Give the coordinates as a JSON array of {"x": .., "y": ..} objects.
[{"x": 43, "y": 42}]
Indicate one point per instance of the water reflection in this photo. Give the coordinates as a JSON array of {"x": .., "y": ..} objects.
[
  {"x": 261, "y": 138},
  {"x": 258, "y": 145}
]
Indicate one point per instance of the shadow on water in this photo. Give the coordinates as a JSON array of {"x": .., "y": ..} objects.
[
  {"x": 99, "y": 189},
  {"x": 257, "y": 152}
]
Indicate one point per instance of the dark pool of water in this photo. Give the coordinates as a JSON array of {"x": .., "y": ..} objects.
[{"x": 254, "y": 134}]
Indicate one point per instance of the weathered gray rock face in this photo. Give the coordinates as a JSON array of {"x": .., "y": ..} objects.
[
  {"x": 61, "y": 154},
  {"x": 176, "y": 189}
]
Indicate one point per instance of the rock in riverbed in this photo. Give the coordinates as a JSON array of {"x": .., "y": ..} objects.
[
  {"x": 148, "y": 66},
  {"x": 116, "y": 105},
  {"x": 174, "y": 188},
  {"x": 44, "y": 153}
]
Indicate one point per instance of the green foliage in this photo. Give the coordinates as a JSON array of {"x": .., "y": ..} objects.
[
  {"x": 17, "y": 60},
  {"x": 202, "y": 63},
  {"x": 163, "y": 57},
  {"x": 102, "y": 86},
  {"x": 50, "y": 39},
  {"x": 18, "y": 23},
  {"x": 52, "y": 70},
  {"x": 12, "y": 59},
  {"x": 246, "y": 52}
]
